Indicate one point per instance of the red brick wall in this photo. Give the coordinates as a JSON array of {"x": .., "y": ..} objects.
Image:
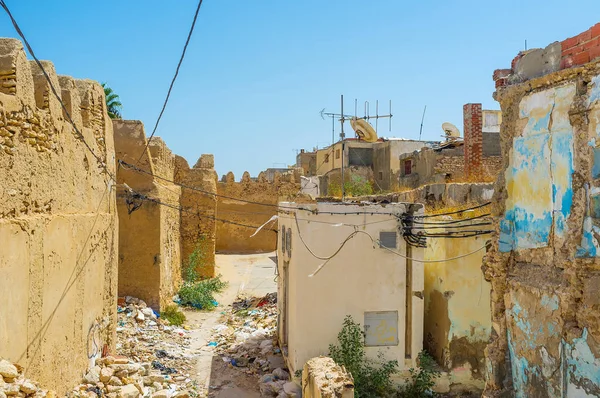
[
  {"x": 473, "y": 139},
  {"x": 575, "y": 51}
]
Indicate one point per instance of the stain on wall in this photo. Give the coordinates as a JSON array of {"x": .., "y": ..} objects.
[
  {"x": 543, "y": 265},
  {"x": 58, "y": 222}
]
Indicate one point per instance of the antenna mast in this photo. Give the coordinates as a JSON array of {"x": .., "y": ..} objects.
[{"x": 422, "y": 119}]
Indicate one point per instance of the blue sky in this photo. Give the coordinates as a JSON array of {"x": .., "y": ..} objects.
[{"x": 257, "y": 72}]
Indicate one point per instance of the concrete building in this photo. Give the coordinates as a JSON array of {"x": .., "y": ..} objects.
[
  {"x": 338, "y": 259},
  {"x": 377, "y": 163},
  {"x": 307, "y": 161}
]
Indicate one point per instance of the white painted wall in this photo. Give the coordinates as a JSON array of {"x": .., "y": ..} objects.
[{"x": 359, "y": 278}]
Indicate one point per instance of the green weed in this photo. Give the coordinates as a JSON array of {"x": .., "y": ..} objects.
[{"x": 172, "y": 314}]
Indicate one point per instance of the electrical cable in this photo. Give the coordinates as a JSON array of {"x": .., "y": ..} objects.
[
  {"x": 172, "y": 81},
  {"x": 141, "y": 197},
  {"x": 454, "y": 212},
  {"x": 78, "y": 134},
  {"x": 449, "y": 222}
]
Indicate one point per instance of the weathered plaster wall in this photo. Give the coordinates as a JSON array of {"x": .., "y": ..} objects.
[
  {"x": 457, "y": 307},
  {"x": 362, "y": 277},
  {"x": 58, "y": 224},
  {"x": 199, "y": 204},
  {"x": 236, "y": 238},
  {"x": 543, "y": 265},
  {"x": 149, "y": 246}
]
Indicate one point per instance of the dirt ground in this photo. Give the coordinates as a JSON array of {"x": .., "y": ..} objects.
[{"x": 252, "y": 275}]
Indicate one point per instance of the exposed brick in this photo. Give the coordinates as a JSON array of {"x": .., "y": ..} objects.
[
  {"x": 515, "y": 60},
  {"x": 566, "y": 62},
  {"x": 581, "y": 58},
  {"x": 590, "y": 44},
  {"x": 595, "y": 30},
  {"x": 473, "y": 136},
  {"x": 584, "y": 36},
  {"x": 569, "y": 43},
  {"x": 501, "y": 82},
  {"x": 501, "y": 73},
  {"x": 594, "y": 53}
]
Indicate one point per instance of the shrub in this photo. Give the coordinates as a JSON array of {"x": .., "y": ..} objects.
[
  {"x": 371, "y": 378},
  {"x": 201, "y": 294},
  {"x": 196, "y": 291},
  {"x": 421, "y": 380},
  {"x": 172, "y": 314}
]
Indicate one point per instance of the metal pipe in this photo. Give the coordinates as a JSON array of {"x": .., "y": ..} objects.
[{"x": 342, "y": 137}]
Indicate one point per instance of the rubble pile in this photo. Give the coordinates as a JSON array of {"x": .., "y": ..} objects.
[
  {"x": 246, "y": 340},
  {"x": 162, "y": 349},
  {"x": 14, "y": 384}
]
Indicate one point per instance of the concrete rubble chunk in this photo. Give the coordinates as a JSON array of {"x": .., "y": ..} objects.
[
  {"x": 12, "y": 389},
  {"x": 8, "y": 370},
  {"x": 128, "y": 391},
  {"x": 162, "y": 394},
  {"x": 106, "y": 374},
  {"x": 28, "y": 387},
  {"x": 92, "y": 376}
]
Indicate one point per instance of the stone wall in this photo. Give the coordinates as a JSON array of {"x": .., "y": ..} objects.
[
  {"x": 544, "y": 265},
  {"x": 149, "y": 246},
  {"x": 199, "y": 211},
  {"x": 236, "y": 238},
  {"x": 58, "y": 223},
  {"x": 323, "y": 378}
]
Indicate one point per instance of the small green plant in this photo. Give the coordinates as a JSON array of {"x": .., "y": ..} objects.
[
  {"x": 371, "y": 378},
  {"x": 196, "y": 291},
  {"x": 421, "y": 380},
  {"x": 357, "y": 186},
  {"x": 172, "y": 314}
]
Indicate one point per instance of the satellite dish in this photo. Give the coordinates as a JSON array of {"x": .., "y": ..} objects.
[
  {"x": 451, "y": 131},
  {"x": 363, "y": 129}
]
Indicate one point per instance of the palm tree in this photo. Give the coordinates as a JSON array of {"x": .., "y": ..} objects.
[{"x": 113, "y": 105}]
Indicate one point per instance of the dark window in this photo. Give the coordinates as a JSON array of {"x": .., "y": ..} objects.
[
  {"x": 360, "y": 156},
  {"x": 387, "y": 239},
  {"x": 327, "y": 158},
  {"x": 381, "y": 175},
  {"x": 337, "y": 154},
  {"x": 283, "y": 239},
  {"x": 407, "y": 167},
  {"x": 289, "y": 242}
]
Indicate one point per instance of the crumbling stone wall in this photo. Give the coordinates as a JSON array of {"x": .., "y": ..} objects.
[
  {"x": 235, "y": 238},
  {"x": 323, "y": 378},
  {"x": 544, "y": 266},
  {"x": 58, "y": 223},
  {"x": 149, "y": 246},
  {"x": 199, "y": 211}
]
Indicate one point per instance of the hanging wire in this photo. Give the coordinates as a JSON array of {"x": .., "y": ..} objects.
[
  {"x": 172, "y": 81},
  {"x": 78, "y": 133}
]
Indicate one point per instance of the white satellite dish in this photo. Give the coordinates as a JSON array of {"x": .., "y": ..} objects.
[
  {"x": 363, "y": 129},
  {"x": 451, "y": 131}
]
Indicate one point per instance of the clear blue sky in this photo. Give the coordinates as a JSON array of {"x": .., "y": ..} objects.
[{"x": 258, "y": 72}]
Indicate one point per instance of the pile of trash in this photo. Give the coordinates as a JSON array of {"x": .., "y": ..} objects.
[
  {"x": 117, "y": 376},
  {"x": 13, "y": 383},
  {"x": 162, "y": 349},
  {"x": 246, "y": 340}
]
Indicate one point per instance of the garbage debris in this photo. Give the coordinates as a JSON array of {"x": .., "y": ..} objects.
[{"x": 246, "y": 340}]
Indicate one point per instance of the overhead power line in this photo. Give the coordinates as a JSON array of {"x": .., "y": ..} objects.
[
  {"x": 78, "y": 133},
  {"x": 173, "y": 80}
]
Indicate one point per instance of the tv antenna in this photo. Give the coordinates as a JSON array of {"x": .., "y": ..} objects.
[{"x": 342, "y": 117}]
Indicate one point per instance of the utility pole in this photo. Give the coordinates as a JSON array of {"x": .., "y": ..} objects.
[{"x": 342, "y": 139}]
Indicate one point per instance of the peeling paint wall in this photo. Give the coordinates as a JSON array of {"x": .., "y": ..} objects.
[
  {"x": 544, "y": 266},
  {"x": 457, "y": 309}
]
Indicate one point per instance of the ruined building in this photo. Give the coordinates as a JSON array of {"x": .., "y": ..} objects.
[
  {"x": 474, "y": 159},
  {"x": 543, "y": 265},
  {"x": 58, "y": 221}
]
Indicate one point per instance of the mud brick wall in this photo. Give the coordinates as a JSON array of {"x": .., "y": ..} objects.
[
  {"x": 149, "y": 244},
  {"x": 199, "y": 205},
  {"x": 236, "y": 239},
  {"x": 58, "y": 222},
  {"x": 544, "y": 266}
]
